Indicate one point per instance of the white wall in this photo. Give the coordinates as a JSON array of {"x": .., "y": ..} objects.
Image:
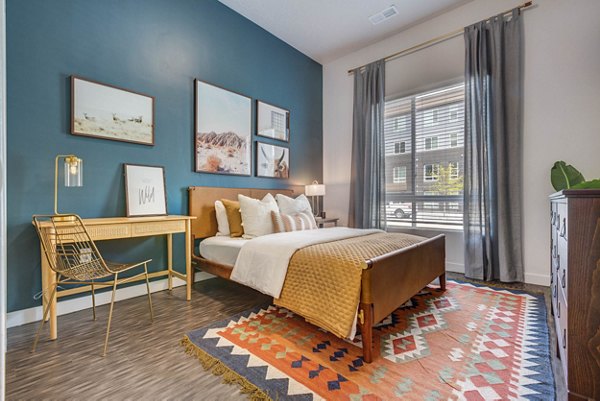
[{"x": 561, "y": 106}]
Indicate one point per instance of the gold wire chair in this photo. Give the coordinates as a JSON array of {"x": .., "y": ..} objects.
[{"x": 73, "y": 256}]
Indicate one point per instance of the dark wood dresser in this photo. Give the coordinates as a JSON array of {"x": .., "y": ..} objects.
[{"x": 575, "y": 261}]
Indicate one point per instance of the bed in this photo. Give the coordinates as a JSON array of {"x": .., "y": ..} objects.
[{"x": 414, "y": 266}]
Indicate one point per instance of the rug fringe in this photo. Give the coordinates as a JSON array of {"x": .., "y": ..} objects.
[{"x": 218, "y": 368}]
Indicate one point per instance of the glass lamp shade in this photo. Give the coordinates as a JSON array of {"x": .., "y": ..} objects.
[
  {"x": 73, "y": 172},
  {"x": 314, "y": 189}
]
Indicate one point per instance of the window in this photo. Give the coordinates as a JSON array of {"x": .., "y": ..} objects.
[
  {"x": 431, "y": 172},
  {"x": 453, "y": 170},
  {"x": 433, "y": 123},
  {"x": 453, "y": 113},
  {"x": 399, "y": 174},
  {"x": 453, "y": 140},
  {"x": 431, "y": 143}
]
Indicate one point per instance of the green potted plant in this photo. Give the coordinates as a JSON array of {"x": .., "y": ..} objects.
[{"x": 565, "y": 176}]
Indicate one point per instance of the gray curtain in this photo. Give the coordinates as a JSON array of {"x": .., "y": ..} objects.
[
  {"x": 367, "y": 186},
  {"x": 492, "y": 193}
]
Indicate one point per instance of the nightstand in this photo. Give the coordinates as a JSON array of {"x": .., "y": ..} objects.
[{"x": 329, "y": 220}]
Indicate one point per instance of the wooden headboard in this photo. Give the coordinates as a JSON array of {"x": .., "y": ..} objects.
[{"x": 201, "y": 204}]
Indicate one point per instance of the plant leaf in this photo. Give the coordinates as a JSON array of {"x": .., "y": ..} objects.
[
  {"x": 587, "y": 184},
  {"x": 564, "y": 176}
]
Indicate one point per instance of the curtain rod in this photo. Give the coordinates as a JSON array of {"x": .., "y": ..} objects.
[{"x": 436, "y": 40}]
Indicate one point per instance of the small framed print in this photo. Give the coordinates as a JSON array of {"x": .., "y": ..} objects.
[
  {"x": 272, "y": 121},
  {"x": 109, "y": 112},
  {"x": 272, "y": 161},
  {"x": 145, "y": 193}
]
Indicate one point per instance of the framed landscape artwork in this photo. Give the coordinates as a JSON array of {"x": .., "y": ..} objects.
[
  {"x": 145, "y": 193},
  {"x": 272, "y": 161},
  {"x": 272, "y": 121},
  {"x": 223, "y": 132},
  {"x": 108, "y": 112}
]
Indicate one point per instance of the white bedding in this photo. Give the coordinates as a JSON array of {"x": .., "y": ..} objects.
[
  {"x": 221, "y": 249},
  {"x": 262, "y": 262}
]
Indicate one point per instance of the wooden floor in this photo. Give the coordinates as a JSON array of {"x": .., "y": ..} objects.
[{"x": 144, "y": 360}]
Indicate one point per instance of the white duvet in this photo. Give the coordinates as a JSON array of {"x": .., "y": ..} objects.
[{"x": 263, "y": 262}]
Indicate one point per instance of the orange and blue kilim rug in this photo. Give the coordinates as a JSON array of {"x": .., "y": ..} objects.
[{"x": 470, "y": 342}]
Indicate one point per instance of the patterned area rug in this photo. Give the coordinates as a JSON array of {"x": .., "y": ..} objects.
[{"x": 469, "y": 343}]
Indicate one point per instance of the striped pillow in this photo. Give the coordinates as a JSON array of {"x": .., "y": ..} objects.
[{"x": 292, "y": 222}]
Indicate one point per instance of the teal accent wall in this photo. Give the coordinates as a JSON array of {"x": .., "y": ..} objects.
[{"x": 155, "y": 47}]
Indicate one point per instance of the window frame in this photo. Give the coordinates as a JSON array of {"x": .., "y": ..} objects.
[{"x": 409, "y": 195}]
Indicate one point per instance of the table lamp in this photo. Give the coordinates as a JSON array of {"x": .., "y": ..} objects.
[
  {"x": 73, "y": 175},
  {"x": 312, "y": 190}
]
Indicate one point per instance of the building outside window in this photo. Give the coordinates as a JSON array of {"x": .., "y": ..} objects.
[
  {"x": 454, "y": 173},
  {"x": 454, "y": 139},
  {"x": 399, "y": 174},
  {"x": 431, "y": 172},
  {"x": 431, "y": 143},
  {"x": 400, "y": 147},
  {"x": 429, "y": 184}
]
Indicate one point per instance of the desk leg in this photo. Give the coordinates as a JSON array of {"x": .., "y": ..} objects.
[
  {"x": 188, "y": 259},
  {"x": 170, "y": 259},
  {"x": 51, "y": 282}
]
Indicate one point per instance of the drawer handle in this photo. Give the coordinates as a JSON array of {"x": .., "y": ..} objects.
[
  {"x": 557, "y": 261},
  {"x": 558, "y": 223},
  {"x": 563, "y": 232},
  {"x": 558, "y": 310},
  {"x": 554, "y": 290},
  {"x": 564, "y": 341},
  {"x": 553, "y": 214},
  {"x": 564, "y": 276},
  {"x": 554, "y": 251}
]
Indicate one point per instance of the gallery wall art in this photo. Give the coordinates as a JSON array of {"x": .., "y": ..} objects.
[
  {"x": 272, "y": 161},
  {"x": 272, "y": 121},
  {"x": 223, "y": 132},
  {"x": 109, "y": 112}
]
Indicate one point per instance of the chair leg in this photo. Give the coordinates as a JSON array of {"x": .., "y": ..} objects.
[
  {"x": 148, "y": 289},
  {"x": 112, "y": 304},
  {"x": 93, "y": 301},
  {"x": 44, "y": 316}
]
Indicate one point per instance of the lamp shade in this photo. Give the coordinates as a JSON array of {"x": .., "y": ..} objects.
[
  {"x": 73, "y": 171},
  {"x": 314, "y": 189}
]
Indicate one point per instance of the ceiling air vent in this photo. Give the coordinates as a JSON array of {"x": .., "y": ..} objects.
[{"x": 383, "y": 15}]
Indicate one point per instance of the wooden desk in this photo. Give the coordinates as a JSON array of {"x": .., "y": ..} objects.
[{"x": 126, "y": 227}]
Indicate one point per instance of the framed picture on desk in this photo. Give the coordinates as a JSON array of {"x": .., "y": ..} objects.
[{"x": 145, "y": 193}]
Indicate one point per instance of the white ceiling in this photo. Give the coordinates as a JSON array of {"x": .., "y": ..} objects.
[{"x": 328, "y": 29}]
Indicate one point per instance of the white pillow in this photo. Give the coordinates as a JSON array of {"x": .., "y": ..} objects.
[
  {"x": 256, "y": 215},
  {"x": 290, "y": 206},
  {"x": 222, "y": 222}
]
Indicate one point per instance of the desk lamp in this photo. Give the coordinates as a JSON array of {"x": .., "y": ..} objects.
[{"x": 73, "y": 175}]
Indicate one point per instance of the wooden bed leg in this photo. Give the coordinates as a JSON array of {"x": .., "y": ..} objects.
[
  {"x": 443, "y": 281},
  {"x": 366, "y": 330}
]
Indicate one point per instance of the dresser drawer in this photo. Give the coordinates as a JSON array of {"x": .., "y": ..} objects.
[
  {"x": 562, "y": 265},
  {"x": 562, "y": 333},
  {"x": 561, "y": 222}
]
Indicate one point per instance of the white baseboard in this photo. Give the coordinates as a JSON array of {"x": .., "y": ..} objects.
[
  {"x": 530, "y": 278},
  {"x": 34, "y": 314},
  {"x": 539, "y": 279}
]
